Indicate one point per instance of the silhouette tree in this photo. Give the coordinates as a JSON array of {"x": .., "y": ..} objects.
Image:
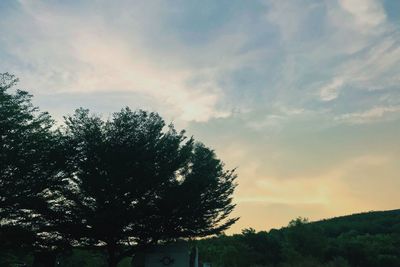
[
  {"x": 27, "y": 169},
  {"x": 133, "y": 182}
]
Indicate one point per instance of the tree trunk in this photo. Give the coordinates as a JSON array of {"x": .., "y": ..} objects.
[
  {"x": 112, "y": 263},
  {"x": 112, "y": 258},
  {"x": 44, "y": 259}
]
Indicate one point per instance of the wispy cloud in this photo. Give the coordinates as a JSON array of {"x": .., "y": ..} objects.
[
  {"x": 331, "y": 91},
  {"x": 89, "y": 56},
  {"x": 369, "y": 116},
  {"x": 246, "y": 57},
  {"x": 366, "y": 13}
]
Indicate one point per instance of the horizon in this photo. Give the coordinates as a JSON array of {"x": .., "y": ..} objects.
[{"x": 302, "y": 97}]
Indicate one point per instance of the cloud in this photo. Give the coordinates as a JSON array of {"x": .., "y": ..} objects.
[
  {"x": 331, "y": 91},
  {"x": 369, "y": 13},
  {"x": 368, "y": 116},
  {"x": 90, "y": 56},
  {"x": 247, "y": 58},
  {"x": 290, "y": 17}
]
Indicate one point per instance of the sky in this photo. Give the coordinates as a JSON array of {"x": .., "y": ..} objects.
[{"x": 301, "y": 96}]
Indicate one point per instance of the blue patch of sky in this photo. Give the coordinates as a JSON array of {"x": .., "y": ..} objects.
[
  {"x": 8, "y": 5},
  {"x": 314, "y": 24},
  {"x": 198, "y": 22},
  {"x": 246, "y": 84},
  {"x": 392, "y": 9}
]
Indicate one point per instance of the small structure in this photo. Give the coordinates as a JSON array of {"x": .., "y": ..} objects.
[{"x": 179, "y": 254}]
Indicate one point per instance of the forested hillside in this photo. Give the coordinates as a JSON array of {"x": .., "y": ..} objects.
[{"x": 369, "y": 239}]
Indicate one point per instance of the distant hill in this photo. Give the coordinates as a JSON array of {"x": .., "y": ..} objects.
[
  {"x": 373, "y": 222},
  {"x": 370, "y": 239}
]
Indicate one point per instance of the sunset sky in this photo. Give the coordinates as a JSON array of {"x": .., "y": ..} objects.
[{"x": 303, "y": 97}]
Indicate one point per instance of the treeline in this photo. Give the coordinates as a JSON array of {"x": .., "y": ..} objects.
[
  {"x": 361, "y": 240},
  {"x": 117, "y": 185}
]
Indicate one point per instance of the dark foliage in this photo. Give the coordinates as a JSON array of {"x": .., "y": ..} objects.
[
  {"x": 28, "y": 169},
  {"x": 134, "y": 182}
]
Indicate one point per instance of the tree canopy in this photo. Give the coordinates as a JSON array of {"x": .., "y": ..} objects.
[{"x": 136, "y": 181}]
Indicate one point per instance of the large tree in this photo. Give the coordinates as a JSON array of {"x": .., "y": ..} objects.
[
  {"x": 135, "y": 182},
  {"x": 28, "y": 169}
]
